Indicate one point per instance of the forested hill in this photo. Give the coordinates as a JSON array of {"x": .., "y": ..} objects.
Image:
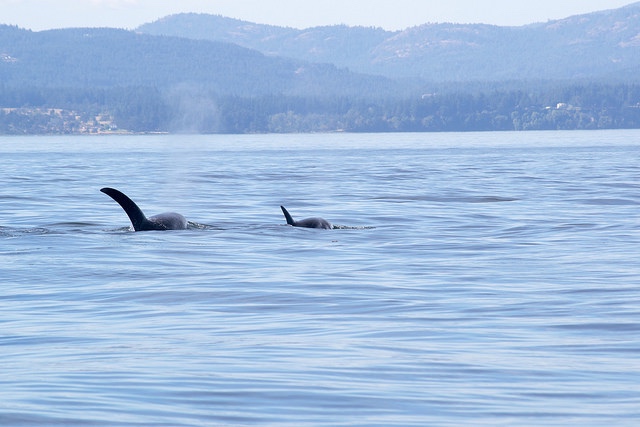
[
  {"x": 601, "y": 45},
  {"x": 101, "y": 58}
]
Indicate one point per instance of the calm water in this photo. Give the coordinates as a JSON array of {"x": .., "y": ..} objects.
[{"x": 473, "y": 279}]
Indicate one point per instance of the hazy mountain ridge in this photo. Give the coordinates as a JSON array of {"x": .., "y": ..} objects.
[
  {"x": 603, "y": 44},
  {"x": 104, "y": 57}
]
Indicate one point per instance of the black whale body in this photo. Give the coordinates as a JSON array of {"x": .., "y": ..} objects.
[
  {"x": 163, "y": 221},
  {"x": 307, "y": 222}
]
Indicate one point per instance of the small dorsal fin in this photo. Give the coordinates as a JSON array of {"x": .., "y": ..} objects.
[{"x": 287, "y": 216}]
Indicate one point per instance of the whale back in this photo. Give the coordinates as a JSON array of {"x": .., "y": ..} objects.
[
  {"x": 314, "y": 223},
  {"x": 164, "y": 221},
  {"x": 307, "y": 222}
]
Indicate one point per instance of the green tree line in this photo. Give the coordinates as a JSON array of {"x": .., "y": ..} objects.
[{"x": 198, "y": 110}]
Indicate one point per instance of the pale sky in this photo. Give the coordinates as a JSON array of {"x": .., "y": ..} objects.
[{"x": 389, "y": 14}]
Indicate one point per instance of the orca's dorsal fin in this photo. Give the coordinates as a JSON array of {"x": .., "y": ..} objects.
[
  {"x": 287, "y": 216},
  {"x": 132, "y": 210}
]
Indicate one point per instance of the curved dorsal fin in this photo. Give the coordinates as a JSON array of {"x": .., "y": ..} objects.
[
  {"x": 288, "y": 216},
  {"x": 134, "y": 213}
]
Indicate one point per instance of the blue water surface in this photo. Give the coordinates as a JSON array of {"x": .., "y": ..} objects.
[{"x": 471, "y": 279}]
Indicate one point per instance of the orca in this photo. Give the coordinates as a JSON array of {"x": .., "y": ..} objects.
[
  {"x": 163, "y": 221},
  {"x": 308, "y": 222}
]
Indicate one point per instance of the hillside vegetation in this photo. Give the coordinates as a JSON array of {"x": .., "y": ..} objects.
[{"x": 603, "y": 45}]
